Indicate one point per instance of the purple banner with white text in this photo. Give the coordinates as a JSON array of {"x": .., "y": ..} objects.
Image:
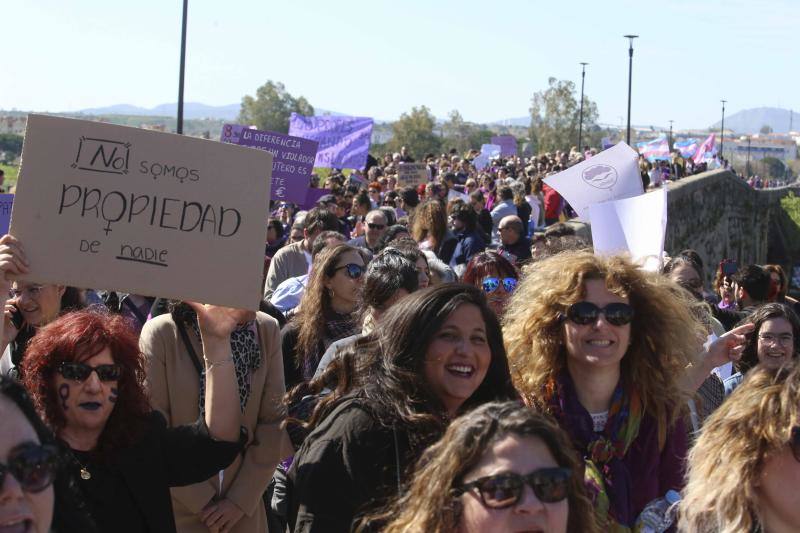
[
  {"x": 6, "y": 201},
  {"x": 343, "y": 141},
  {"x": 292, "y": 163}
]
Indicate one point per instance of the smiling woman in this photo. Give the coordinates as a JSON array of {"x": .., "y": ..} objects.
[
  {"x": 602, "y": 345},
  {"x": 437, "y": 354}
]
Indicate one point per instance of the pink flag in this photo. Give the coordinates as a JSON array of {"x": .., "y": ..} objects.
[{"x": 706, "y": 150}]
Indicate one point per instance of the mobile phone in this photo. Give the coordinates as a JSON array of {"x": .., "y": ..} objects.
[
  {"x": 16, "y": 318},
  {"x": 729, "y": 268}
]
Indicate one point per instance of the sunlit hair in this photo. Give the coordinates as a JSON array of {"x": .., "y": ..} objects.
[
  {"x": 665, "y": 335},
  {"x": 429, "y": 504},
  {"x": 763, "y": 313},
  {"x": 430, "y": 222},
  {"x": 725, "y": 464},
  {"x": 488, "y": 263},
  {"x": 79, "y": 336},
  {"x": 315, "y": 304}
]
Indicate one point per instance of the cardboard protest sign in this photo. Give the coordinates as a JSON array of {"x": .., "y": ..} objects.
[
  {"x": 292, "y": 163},
  {"x": 612, "y": 174},
  {"x": 636, "y": 225},
  {"x": 507, "y": 144},
  {"x": 343, "y": 141},
  {"x": 412, "y": 174},
  {"x": 111, "y": 207},
  {"x": 6, "y": 202}
]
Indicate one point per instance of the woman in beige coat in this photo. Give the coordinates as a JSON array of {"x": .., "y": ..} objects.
[{"x": 231, "y": 501}]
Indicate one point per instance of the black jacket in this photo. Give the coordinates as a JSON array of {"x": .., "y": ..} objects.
[
  {"x": 161, "y": 458},
  {"x": 348, "y": 466}
]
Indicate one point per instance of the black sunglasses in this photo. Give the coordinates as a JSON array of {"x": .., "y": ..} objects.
[
  {"x": 353, "y": 270},
  {"x": 370, "y": 225},
  {"x": 32, "y": 465},
  {"x": 583, "y": 313},
  {"x": 794, "y": 442},
  {"x": 81, "y": 371},
  {"x": 500, "y": 491},
  {"x": 491, "y": 284}
]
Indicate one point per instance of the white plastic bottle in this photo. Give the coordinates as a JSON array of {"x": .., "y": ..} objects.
[{"x": 658, "y": 515}]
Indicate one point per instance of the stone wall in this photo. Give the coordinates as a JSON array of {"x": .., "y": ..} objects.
[{"x": 720, "y": 216}]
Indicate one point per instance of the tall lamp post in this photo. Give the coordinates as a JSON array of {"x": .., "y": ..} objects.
[
  {"x": 630, "y": 81},
  {"x": 722, "y": 130},
  {"x": 670, "y": 135},
  {"x": 580, "y": 119},
  {"x": 747, "y": 166},
  {"x": 182, "y": 67}
]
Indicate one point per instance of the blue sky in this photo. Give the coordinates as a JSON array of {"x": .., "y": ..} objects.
[{"x": 379, "y": 58}]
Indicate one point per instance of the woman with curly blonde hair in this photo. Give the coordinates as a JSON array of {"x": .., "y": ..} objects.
[
  {"x": 501, "y": 467},
  {"x": 603, "y": 346},
  {"x": 744, "y": 470}
]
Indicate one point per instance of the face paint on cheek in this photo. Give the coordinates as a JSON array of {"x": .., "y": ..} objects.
[
  {"x": 63, "y": 393},
  {"x": 114, "y": 395}
]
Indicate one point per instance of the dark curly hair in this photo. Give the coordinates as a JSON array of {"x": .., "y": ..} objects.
[
  {"x": 78, "y": 336},
  {"x": 766, "y": 312}
]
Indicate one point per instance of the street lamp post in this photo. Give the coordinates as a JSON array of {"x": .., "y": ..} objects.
[
  {"x": 722, "y": 131},
  {"x": 670, "y": 135},
  {"x": 182, "y": 67},
  {"x": 580, "y": 119},
  {"x": 630, "y": 81},
  {"x": 747, "y": 166}
]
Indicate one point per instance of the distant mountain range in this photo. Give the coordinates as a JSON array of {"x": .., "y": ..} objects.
[
  {"x": 190, "y": 110},
  {"x": 750, "y": 121}
]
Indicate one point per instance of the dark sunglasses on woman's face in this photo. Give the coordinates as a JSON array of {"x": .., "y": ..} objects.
[
  {"x": 500, "y": 491},
  {"x": 81, "y": 371},
  {"x": 32, "y": 465},
  {"x": 352, "y": 270},
  {"x": 372, "y": 225},
  {"x": 583, "y": 313},
  {"x": 491, "y": 284}
]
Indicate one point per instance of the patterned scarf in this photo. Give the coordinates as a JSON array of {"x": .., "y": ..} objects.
[
  {"x": 246, "y": 359},
  {"x": 337, "y": 326},
  {"x": 607, "y": 479}
]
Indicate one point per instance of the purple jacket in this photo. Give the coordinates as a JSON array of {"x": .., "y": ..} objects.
[{"x": 645, "y": 472}]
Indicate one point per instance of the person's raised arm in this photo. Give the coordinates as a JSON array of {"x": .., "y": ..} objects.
[
  {"x": 725, "y": 349},
  {"x": 13, "y": 263},
  {"x": 223, "y": 415}
]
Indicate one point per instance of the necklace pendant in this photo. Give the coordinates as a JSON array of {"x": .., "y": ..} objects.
[{"x": 85, "y": 474}]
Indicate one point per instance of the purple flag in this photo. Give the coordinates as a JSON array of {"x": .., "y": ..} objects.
[
  {"x": 343, "y": 141},
  {"x": 6, "y": 201},
  {"x": 507, "y": 144},
  {"x": 292, "y": 162},
  {"x": 707, "y": 150},
  {"x": 312, "y": 196}
]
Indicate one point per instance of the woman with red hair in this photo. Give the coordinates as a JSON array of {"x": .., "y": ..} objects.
[{"x": 85, "y": 375}]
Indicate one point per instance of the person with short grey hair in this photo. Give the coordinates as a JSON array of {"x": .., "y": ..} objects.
[{"x": 376, "y": 224}]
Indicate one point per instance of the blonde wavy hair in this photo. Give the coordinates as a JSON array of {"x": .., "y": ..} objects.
[
  {"x": 431, "y": 505},
  {"x": 736, "y": 441},
  {"x": 665, "y": 334}
]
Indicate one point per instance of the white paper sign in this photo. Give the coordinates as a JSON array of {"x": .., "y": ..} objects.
[
  {"x": 636, "y": 225},
  {"x": 110, "y": 207},
  {"x": 612, "y": 174},
  {"x": 488, "y": 151}
]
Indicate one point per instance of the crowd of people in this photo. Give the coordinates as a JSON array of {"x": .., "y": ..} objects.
[{"x": 434, "y": 357}]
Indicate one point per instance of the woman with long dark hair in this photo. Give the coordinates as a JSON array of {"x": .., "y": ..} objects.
[
  {"x": 326, "y": 312},
  {"x": 438, "y": 353}
]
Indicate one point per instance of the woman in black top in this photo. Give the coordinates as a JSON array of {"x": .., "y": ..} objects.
[{"x": 438, "y": 353}]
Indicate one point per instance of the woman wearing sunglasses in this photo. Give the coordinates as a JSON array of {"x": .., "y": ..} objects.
[
  {"x": 85, "y": 374},
  {"x": 602, "y": 346},
  {"x": 326, "y": 312},
  {"x": 437, "y": 353},
  {"x": 495, "y": 276},
  {"x": 743, "y": 471},
  {"x": 501, "y": 468},
  {"x": 35, "y": 486}
]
